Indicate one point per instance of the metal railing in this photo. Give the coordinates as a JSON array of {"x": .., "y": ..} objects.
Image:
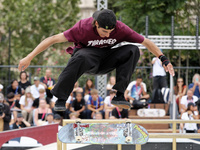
[{"x": 173, "y": 135}]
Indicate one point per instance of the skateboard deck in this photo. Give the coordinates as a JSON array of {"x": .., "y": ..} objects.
[
  {"x": 104, "y": 133},
  {"x": 151, "y": 112}
]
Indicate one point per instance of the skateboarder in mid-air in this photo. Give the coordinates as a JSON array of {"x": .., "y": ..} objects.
[{"x": 94, "y": 38}]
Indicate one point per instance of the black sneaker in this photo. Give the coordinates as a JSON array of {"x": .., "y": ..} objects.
[
  {"x": 120, "y": 102},
  {"x": 60, "y": 105}
]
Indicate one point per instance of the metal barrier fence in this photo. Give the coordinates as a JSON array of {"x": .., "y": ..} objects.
[
  {"x": 8, "y": 73},
  {"x": 173, "y": 135}
]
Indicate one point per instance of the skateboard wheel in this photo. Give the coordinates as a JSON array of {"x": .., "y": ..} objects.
[
  {"x": 128, "y": 120},
  {"x": 78, "y": 138},
  {"x": 128, "y": 139}
]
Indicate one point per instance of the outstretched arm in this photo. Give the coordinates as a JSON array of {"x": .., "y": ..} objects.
[
  {"x": 156, "y": 51},
  {"x": 25, "y": 62}
]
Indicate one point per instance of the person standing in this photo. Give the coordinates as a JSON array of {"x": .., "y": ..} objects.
[
  {"x": 159, "y": 74},
  {"x": 48, "y": 82},
  {"x": 94, "y": 38}
]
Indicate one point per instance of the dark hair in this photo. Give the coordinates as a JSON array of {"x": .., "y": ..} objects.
[
  {"x": 21, "y": 74},
  {"x": 189, "y": 105},
  {"x": 112, "y": 92},
  {"x": 10, "y": 95},
  {"x": 13, "y": 81},
  {"x": 176, "y": 88},
  {"x": 139, "y": 77},
  {"x": 93, "y": 23},
  {"x": 87, "y": 88}
]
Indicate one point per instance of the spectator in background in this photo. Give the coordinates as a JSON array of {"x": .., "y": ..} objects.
[
  {"x": 195, "y": 85},
  {"x": 95, "y": 104},
  {"x": 190, "y": 114},
  {"x": 36, "y": 87},
  {"x": 78, "y": 106},
  {"x": 58, "y": 119},
  {"x": 98, "y": 116},
  {"x": 23, "y": 83},
  {"x": 77, "y": 89},
  {"x": 15, "y": 88},
  {"x": 14, "y": 105},
  {"x": 49, "y": 119},
  {"x": 26, "y": 102},
  {"x": 1, "y": 88},
  {"x": 88, "y": 87},
  {"x": 179, "y": 90},
  {"x": 159, "y": 74},
  {"x": 5, "y": 114},
  {"x": 21, "y": 122},
  {"x": 185, "y": 100},
  {"x": 42, "y": 95},
  {"x": 41, "y": 113},
  {"x": 110, "y": 84},
  {"x": 48, "y": 82},
  {"x": 120, "y": 113},
  {"x": 136, "y": 91},
  {"x": 108, "y": 107}
]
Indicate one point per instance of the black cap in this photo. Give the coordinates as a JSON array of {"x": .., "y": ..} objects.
[
  {"x": 105, "y": 18},
  {"x": 19, "y": 115},
  {"x": 50, "y": 114},
  {"x": 57, "y": 117}
]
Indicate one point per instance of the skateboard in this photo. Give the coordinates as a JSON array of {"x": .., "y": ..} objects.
[
  {"x": 103, "y": 133},
  {"x": 151, "y": 112}
]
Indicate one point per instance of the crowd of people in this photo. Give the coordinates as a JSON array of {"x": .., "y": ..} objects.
[{"x": 27, "y": 104}]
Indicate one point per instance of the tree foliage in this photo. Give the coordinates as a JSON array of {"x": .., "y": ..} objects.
[{"x": 32, "y": 21}]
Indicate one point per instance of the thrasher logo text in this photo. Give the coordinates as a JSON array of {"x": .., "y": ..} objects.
[{"x": 101, "y": 42}]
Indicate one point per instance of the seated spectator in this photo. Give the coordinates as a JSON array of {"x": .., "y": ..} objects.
[
  {"x": 15, "y": 88},
  {"x": 42, "y": 95},
  {"x": 98, "y": 116},
  {"x": 48, "y": 82},
  {"x": 49, "y": 119},
  {"x": 108, "y": 107},
  {"x": 120, "y": 113},
  {"x": 73, "y": 116},
  {"x": 58, "y": 119},
  {"x": 14, "y": 105},
  {"x": 110, "y": 84},
  {"x": 77, "y": 89},
  {"x": 187, "y": 99},
  {"x": 95, "y": 104},
  {"x": 190, "y": 114},
  {"x": 41, "y": 113},
  {"x": 86, "y": 90},
  {"x": 1, "y": 88},
  {"x": 21, "y": 122},
  {"x": 5, "y": 114},
  {"x": 23, "y": 83},
  {"x": 136, "y": 91},
  {"x": 26, "y": 102},
  {"x": 195, "y": 85},
  {"x": 78, "y": 106},
  {"x": 179, "y": 90},
  {"x": 36, "y": 87}
]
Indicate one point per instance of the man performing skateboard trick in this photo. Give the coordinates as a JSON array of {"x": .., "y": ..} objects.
[{"x": 94, "y": 38}]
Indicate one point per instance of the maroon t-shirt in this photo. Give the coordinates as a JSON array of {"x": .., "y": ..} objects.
[{"x": 83, "y": 34}]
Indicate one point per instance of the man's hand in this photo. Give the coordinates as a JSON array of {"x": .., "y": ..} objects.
[
  {"x": 166, "y": 64},
  {"x": 24, "y": 63},
  {"x": 3, "y": 115}
]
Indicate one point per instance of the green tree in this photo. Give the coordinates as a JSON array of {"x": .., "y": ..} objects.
[{"x": 31, "y": 22}]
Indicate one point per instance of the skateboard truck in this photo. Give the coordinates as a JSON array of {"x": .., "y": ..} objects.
[
  {"x": 127, "y": 131},
  {"x": 79, "y": 131}
]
